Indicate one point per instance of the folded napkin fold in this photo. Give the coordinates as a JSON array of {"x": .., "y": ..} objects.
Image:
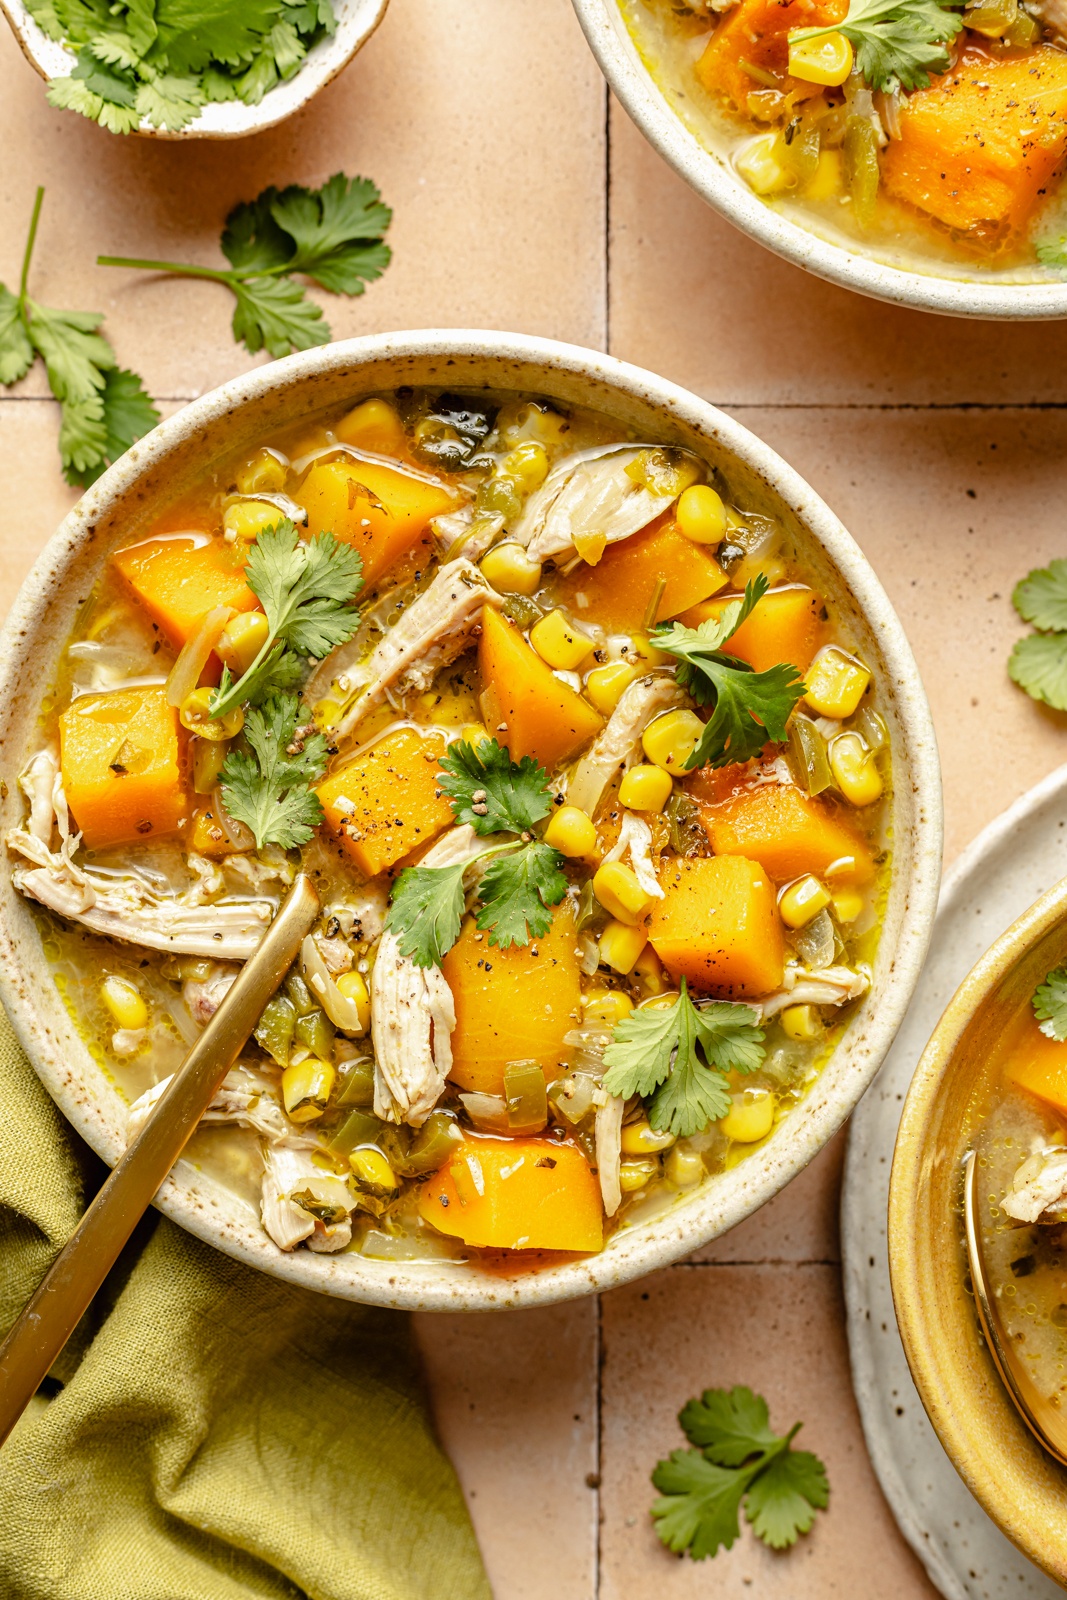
[{"x": 216, "y": 1434}]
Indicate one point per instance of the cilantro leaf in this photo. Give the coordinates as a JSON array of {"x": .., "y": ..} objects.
[
  {"x": 96, "y": 431},
  {"x": 514, "y": 795},
  {"x": 252, "y": 241},
  {"x": 1038, "y": 664},
  {"x": 191, "y": 33},
  {"x": 896, "y": 41},
  {"x": 337, "y": 232},
  {"x": 1050, "y": 1005},
  {"x": 426, "y": 912},
  {"x": 267, "y": 788},
  {"x": 784, "y": 1498},
  {"x": 730, "y": 1424},
  {"x": 75, "y": 355},
  {"x": 274, "y": 314},
  {"x": 16, "y": 351},
  {"x": 516, "y": 892},
  {"x": 700, "y": 1505},
  {"x": 1041, "y": 597},
  {"x": 169, "y": 101}
]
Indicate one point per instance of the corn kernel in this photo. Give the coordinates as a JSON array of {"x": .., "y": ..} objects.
[
  {"x": 619, "y": 892},
  {"x": 802, "y": 901},
  {"x": 328, "y": 714},
  {"x": 761, "y": 162},
  {"x": 605, "y": 1007},
  {"x": 529, "y": 463},
  {"x": 195, "y": 714},
  {"x": 474, "y": 733},
  {"x": 509, "y": 569},
  {"x": 621, "y": 947},
  {"x": 571, "y": 832},
  {"x": 826, "y": 60},
  {"x": 645, "y": 788},
  {"x": 643, "y": 654},
  {"x": 750, "y": 1118},
  {"x": 701, "y": 515},
  {"x": 828, "y": 181},
  {"x": 640, "y": 1139},
  {"x": 855, "y": 770},
  {"x": 374, "y": 426},
  {"x": 802, "y": 1023},
  {"x": 648, "y": 970},
  {"x": 670, "y": 740},
  {"x": 371, "y": 1170},
  {"x": 123, "y": 1000},
  {"x": 634, "y": 1175},
  {"x": 836, "y": 683},
  {"x": 605, "y": 685},
  {"x": 242, "y": 639},
  {"x": 246, "y": 519},
  {"x": 684, "y": 1167},
  {"x": 353, "y": 986},
  {"x": 263, "y": 473},
  {"x": 560, "y": 642},
  {"x": 848, "y": 903},
  {"x": 306, "y": 1088}
]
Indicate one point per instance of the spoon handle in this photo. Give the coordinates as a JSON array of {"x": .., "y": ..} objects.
[{"x": 57, "y": 1305}]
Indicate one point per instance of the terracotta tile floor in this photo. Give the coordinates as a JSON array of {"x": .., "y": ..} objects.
[{"x": 524, "y": 200}]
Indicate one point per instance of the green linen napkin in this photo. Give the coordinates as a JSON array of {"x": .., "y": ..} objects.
[{"x": 218, "y": 1435}]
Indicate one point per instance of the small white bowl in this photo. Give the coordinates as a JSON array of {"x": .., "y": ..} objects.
[
  {"x": 954, "y": 291},
  {"x": 123, "y": 505},
  {"x": 230, "y": 119}
]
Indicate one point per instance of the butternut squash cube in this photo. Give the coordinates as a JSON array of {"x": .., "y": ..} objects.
[
  {"x": 123, "y": 761},
  {"x": 1039, "y": 1064},
  {"x": 786, "y": 625},
  {"x": 618, "y": 590},
  {"x": 718, "y": 927},
  {"x": 388, "y": 803},
  {"x": 789, "y": 833},
  {"x": 516, "y": 1194},
  {"x": 757, "y": 32},
  {"x": 542, "y": 716},
  {"x": 178, "y": 582},
  {"x": 380, "y": 511}
]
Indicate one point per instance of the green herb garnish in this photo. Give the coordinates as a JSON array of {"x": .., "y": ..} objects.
[
  {"x": 738, "y": 1459},
  {"x": 1038, "y": 663},
  {"x": 268, "y": 785},
  {"x": 492, "y": 792},
  {"x": 103, "y": 407},
  {"x": 1050, "y": 1005},
  {"x": 897, "y": 42},
  {"x": 676, "y": 1058},
  {"x": 332, "y": 235}
]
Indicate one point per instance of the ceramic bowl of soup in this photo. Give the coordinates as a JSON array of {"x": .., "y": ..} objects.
[
  {"x": 936, "y": 199},
  {"x": 990, "y": 1081},
  {"x": 606, "y": 754}
]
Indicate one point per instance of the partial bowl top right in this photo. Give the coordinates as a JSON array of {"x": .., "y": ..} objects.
[{"x": 926, "y": 171}]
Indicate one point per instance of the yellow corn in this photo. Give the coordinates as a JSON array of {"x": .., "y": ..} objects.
[
  {"x": 701, "y": 514},
  {"x": 509, "y": 569},
  {"x": 195, "y": 715},
  {"x": 684, "y": 1167},
  {"x": 375, "y": 426},
  {"x": 621, "y": 946},
  {"x": 826, "y": 60},
  {"x": 123, "y": 1000},
  {"x": 855, "y": 770},
  {"x": 306, "y": 1089},
  {"x": 619, "y": 892},
  {"x": 802, "y": 901},
  {"x": 529, "y": 463},
  {"x": 246, "y": 519},
  {"x": 670, "y": 740},
  {"x": 751, "y": 1116},
  {"x": 474, "y": 733},
  {"x": 242, "y": 639},
  {"x": 836, "y": 683},
  {"x": 571, "y": 832},
  {"x": 829, "y": 179},
  {"x": 761, "y": 162},
  {"x": 643, "y": 653},
  {"x": 802, "y": 1023},
  {"x": 605, "y": 1006},
  {"x": 640, "y": 1139},
  {"x": 560, "y": 642},
  {"x": 648, "y": 970},
  {"x": 645, "y": 788},
  {"x": 263, "y": 473},
  {"x": 353, "y": 986},
  {"x": 605, "y": 685},
  {"x": 848, "y": 903},
  {"x": 371, "y": 1170},
  {"x": 328, "y": 714},
  {"x": 636, "y": 1174}
]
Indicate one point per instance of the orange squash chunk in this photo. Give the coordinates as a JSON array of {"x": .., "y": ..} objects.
[
  {"x": 512, "y": 1005},
  {"x": 387, "y": 803},
  {"x": 122, "y": 756},
  {"x": 786, "y": 625},
  {"x": 757, "y": 31},
  {"x": 718, "y": 927},
  {"x": 516, "y": 1194},
  {"x": 178, "y": 582},
  {"x": 1039, "y": 1064},
  {"x": 380, "y": 511},
  {"x": 788, "y": 833},
  {"x": 543, "y": 717},
  {"x": 617, "y": 592},
  {"x": 978, "y": 148}
]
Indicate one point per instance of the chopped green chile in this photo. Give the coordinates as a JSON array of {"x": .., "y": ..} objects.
[
  {"x": 687, "y": 835},
  {"x": 275, "y": 1028},
  {"x": 861, "y": 167},
  {"x": 802, "y": 149},
  {"x": 358, "y": 1086},
  {"x": 521, "y": 610},
  {"x": 526, "y": 1096},
  {"x": 300, "y": 994},
  {"x": 433, "y": 1144},
  {"x": 313, "y": 1030},
  {"x": 869, "y": 725},
  {"x": 359, "y": 1127},
  {"x": 808, "y": 750},
  {"x": 207, "y": 761}
]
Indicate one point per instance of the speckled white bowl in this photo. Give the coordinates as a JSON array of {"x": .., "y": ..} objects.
[
  {"x": 957, "y": 291},
  {"x": 123, "y": 505},
  {"x": 231, "y": 119}
]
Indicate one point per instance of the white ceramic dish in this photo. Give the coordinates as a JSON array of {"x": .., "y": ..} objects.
[
  {"x": 1020, "y": 855},
  {"x": 959, "y": 292},
  {"x": 232, "y": 119},
  {"x": 155, "y": 471}
]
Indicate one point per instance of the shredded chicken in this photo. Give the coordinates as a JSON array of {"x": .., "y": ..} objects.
[
  {"x": 302, "y": 1203},
  {"x": 1053, "y": 13},
  {"x": 827, "y": 986},
  {"x": 1039, "y": 1186},
  {"x": 335, "y": 953},
  {"x": 635, "y": 836},
  {"x": 619, "y": 738},
  {"x": 608, "y": 1133},
  {"x": 453, "y": 533},
  {"x": 587, "y": 494},
  {"x": 203, "y": 996},
  {"x": 244, "y": 1096}
]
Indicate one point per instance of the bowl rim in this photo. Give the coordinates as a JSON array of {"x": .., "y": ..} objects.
[
  {"x": 631, "y": 82},
  {"x": 644, "y": 1246},
  {"x": 933, "y": 1375}
]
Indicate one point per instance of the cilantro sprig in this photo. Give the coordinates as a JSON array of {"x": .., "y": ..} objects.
[
  {"x": 266, "y": 781},
  {"x": 897, "y": 42},
  {"x": 676, "y": 1057},
  {"x": 306, "y": 588},
  {"x": 103, "y": 407},
  {"x": 1050, "y": 1005},
  {"x": 1038, "y": 663},
  {"x": 333, "y": 235},
  {"x": 750, "y": 708},
  {"x": 523, "y": 880},
  {"x": 738, "y": 1460}
]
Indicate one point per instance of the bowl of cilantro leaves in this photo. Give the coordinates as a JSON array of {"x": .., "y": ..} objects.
[
  {"x": 538, "y": 383},
  {"x": 178, "y": 69}
]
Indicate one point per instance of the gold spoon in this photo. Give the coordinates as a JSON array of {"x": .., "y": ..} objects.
[
  {"x": 57, "y": 1305},
  {"x": 1046, "y": 1422}
]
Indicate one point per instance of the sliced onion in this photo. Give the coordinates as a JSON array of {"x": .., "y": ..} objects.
[
  {"x": 185, "y": 673},
  {"x": 237, "y": 834},
  {"x": 488, "y": 1112},
  {"x": 344, "y": 1014}
]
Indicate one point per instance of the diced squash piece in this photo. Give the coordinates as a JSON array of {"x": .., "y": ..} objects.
[
  {"x": 516, "y": 1194},
  {"x": 757, "y": 32},
  {"x": 786, "y": 625},
  {"x": 542, "y": 716},
  {"x": 718, "y": 927},
  {"x": 979, "y": 147},
  {"x": 1039, "y": 1064},
  {"x": 123, "y": 761},
  {"x": 208, "y": 838},
  {"x": 789, "y": 833},
  {"x": 512, "y": 1005},
  {"x": 617, "y": 592},
  {"x": 178, "y": 582},
  {"x": 380, "y": 511},
  {"x": 387, "y": 803}
]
